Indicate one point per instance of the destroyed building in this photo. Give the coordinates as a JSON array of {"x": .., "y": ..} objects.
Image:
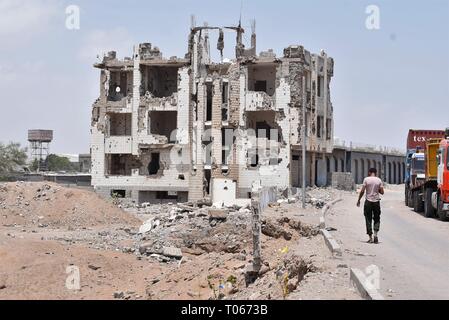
[{"x": 187, "y": 129}]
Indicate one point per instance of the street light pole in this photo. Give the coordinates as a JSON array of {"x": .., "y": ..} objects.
[{"x": 303, "y": 129}]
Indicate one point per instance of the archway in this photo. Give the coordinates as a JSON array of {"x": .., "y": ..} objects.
[
  {"x": 379, "y": 170},
  {"x": 389, "y": 172},
  {"x": 363, "y": 173},
  {"x": 395, "y": 175}
]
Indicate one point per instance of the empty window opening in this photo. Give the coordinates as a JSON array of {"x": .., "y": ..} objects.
[
  {"x": 120, "y": 85},
  {"x": 207, "y": 178},
  {"x": 329, "y": 129},
  {"x": 118, "y": 194},
  {"x": 165, "y": 195},
  {"x": 154, "y": 165},
  {"x": 195, "y": 101},
  {"x": 320, "y": 86},
  {"x": 121, "y": 164},
  {"x": 262, "y": 78},
  {"x": 227, "y": 141},
  {"x": 120, "y": 124},
  {"x": 207, "y": 147},
  {"x": 264, "y": 124},
  {"x": 159, "y": 81},
  {"x": 209, "y": 95},
  {"x": 163, "y": 123},
  {"x": 181, "y": 177},
  {"x": 225, "y": 102},
  {"x": 208, "y": 153},
  {"x": 319, "y": 132},
  {"x": 162, "y": 196},
  {"x": 254, "y": 160}
]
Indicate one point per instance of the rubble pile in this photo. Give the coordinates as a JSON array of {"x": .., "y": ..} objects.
[
  {"x": 44, "y": 205},
  {"x": 318, "y": 197},
  {"x": 193, "y": 230},
  {"x": 282, "y": 227}
]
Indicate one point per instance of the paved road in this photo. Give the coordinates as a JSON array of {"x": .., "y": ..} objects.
[{"x": 413, "y": 253}]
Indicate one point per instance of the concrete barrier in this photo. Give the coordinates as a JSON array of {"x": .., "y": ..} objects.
[
  {"x": 358, "y": 279},
  {"x": 324, "y": 211},
  {"x": 333, "y": 246}
]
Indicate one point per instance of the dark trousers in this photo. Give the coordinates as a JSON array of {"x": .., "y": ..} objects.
[{"x": 372, "y": 214}]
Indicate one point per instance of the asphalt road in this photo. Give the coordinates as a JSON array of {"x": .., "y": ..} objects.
[{"x": 413, "y": 253}]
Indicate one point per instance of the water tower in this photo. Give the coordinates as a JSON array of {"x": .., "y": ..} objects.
[{"x": 40, "y": 146}]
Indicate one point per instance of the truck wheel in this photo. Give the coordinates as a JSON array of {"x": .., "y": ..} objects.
[
  {"x": 442, "y": 215},
  {"x": 410, "y": 199},
  {"x": 418, "y": 205},
  {"x": 406, "y": 196},
  {"x": 429, "y": 210}
]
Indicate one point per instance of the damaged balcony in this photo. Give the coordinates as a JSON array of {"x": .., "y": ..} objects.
[
  {"x": 162, "y": 126},
  {"x": 264, "y": 136},
  {"x": 261, "y": 86},
  {"x": 120, "y": 88},
  {"x": 159, "y": 87},
  {"x": 118, "y": 134},
  {"x": 121, "y": 165}
]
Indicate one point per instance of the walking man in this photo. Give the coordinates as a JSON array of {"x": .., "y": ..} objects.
[{"x": 373, "y": 187}]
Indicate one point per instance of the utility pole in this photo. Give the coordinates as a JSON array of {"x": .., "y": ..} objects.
[{"x": 303, "y": 129}]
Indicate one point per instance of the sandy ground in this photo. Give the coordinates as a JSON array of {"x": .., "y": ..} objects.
[
  {"x": 46, "y": 229},
  {"x": 413, "y": 253}
]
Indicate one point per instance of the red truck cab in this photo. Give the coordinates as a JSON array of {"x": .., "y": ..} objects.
[{"x": 443, "y": 177}]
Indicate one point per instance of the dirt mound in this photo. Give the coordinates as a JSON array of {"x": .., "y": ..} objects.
[
  {"x": 283, "y": 227},
  {"x": 50, "y": 205}
]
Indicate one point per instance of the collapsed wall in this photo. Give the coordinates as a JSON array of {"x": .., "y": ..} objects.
[{"x": 179, "y": 129}]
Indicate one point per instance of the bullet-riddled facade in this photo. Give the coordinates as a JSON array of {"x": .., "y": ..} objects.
[{"x": 186, "y": 129}]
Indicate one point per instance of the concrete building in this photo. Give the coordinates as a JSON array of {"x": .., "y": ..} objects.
[
  {"x": 85, "y": 164},
  {"x": 359, "y": 158},
  {"x": 189, "y": 128}
]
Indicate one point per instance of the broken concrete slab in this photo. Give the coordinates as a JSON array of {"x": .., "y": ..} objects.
[
  {"x": 172, "y": 252},
  {"x": 333, "y": 246},
  {"x": 363, "y": 286},
  {"x": 218, "y": 214},
  {"x": 146, "y": 227}
]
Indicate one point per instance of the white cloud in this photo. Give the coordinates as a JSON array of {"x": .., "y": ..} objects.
[
  {"x": 25, "y": 17},
  {"x": 99, "y": 42}
]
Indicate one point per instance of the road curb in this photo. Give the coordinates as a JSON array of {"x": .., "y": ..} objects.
[
  {"x": 324, "y": 211},
  {"x": 333, "y": 246},
  {"x": 358, "y": 279}
]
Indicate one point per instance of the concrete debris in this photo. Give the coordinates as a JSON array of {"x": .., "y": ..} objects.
[
  {"x": 146, "y": 227},
  {"x": 277, "y": 228},
  {"x": 218, "y": 214},
  {"x": 273, "y": 229},
  {"x": 172, "y": 252}
]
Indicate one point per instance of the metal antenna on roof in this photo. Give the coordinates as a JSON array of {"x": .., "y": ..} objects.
[
  {"x": 192, "y": 21},
  {"x": 241, "y": 10}
]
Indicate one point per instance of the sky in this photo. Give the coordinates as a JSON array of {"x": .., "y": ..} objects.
[{"x": 386, "y": 80}]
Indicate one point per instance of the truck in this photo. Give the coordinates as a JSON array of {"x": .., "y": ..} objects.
[
  {"x": 414, "y": 159},
  {"x": 427, "y": 174}
]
